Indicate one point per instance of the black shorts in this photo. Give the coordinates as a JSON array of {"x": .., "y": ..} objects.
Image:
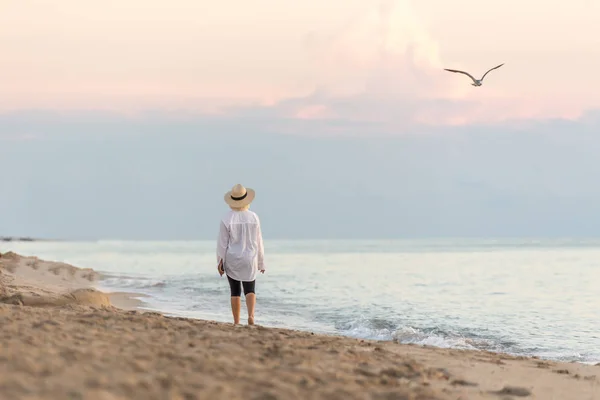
[{"x": 236, "y": 287}]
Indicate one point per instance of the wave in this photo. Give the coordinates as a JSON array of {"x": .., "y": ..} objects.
[
  {"x": 180, "y": 283},
  {"x": 132, "y": 282},
  {"x": 379, "y": 329},
  {"x": 385, "y": 330}
]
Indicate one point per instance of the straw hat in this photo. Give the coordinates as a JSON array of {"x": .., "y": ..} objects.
[{"x": 239, "y": 196}]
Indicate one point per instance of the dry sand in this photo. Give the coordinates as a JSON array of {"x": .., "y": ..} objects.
[{"x": 61, "y": 339}]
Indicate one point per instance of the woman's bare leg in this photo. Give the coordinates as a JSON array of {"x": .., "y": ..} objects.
[
  {"x": 250, "y": 303},
  {"x": 236, "y": 306}
]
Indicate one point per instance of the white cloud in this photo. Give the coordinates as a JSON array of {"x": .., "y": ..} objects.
[
  {"x": 383, "y": 65},
  {"x": 384, "y": 50}
]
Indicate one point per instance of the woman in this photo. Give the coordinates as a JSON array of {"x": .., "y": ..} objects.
[{"x": 240, "y": 251}]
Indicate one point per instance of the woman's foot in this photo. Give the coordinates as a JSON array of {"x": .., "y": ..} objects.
[{"x": 250, "y": 320}]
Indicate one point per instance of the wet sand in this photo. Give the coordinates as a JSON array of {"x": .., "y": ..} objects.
[{"x": 61, "y": 339}]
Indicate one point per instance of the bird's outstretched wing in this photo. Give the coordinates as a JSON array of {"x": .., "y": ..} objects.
[
  {"x": 491, "y": 69},
  {"x": 461, "y": 72}
]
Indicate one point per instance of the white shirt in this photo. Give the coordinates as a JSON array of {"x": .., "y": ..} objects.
[{"x": 240, "y": 245}]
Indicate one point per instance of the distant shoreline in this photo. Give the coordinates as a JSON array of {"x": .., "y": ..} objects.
[
  {"x": 26, "y": 239},
  {"x": 18, "y": 239}
]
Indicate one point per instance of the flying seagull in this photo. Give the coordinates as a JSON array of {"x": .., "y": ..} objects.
[{"x": 476, "y": 82}]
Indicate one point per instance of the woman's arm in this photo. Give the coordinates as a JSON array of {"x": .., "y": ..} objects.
[
  {"x": 261, "y": 251},
  {"x": 222, "y": 243}
]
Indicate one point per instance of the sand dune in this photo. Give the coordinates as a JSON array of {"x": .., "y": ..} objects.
[
  {"x": 33, "y": 282},
  {"x": 84, "y": 348}
]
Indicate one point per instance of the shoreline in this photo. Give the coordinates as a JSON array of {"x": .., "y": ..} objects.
[
  {"x": 126, "y": 301},
  {"x": 61, "y": 338}
]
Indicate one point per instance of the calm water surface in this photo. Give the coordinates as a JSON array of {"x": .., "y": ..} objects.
[{"x": 526, "y": 297}]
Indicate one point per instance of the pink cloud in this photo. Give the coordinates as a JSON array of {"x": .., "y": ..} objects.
[
  {"x": 383, "y": 65},
  {"x": 362, "y": 61},
  {"x": 317, "y": 111}
]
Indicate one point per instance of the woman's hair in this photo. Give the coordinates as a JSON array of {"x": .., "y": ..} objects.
[{"x": 240, "y": 208}]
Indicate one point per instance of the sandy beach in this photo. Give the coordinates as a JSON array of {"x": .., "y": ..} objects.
[{"x": 62, "y": 339}]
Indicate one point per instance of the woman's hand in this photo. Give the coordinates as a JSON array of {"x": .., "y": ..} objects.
[
  {"x": 220, "y": 268},
  {"x": 262, "y": 271}
]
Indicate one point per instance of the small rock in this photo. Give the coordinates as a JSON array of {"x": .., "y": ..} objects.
[
  {"x": 366, "y": 371},
  {"x": 265, "y": 396},
  {"x": 403, "y": 381},
  {"x": 75, "y": 395},
  {"x": 513, "y": 391},
  {"x": 393, "y": 372},
  {"x": 441, "y": 373},
  {"x": 462, "y": 382},
  {"x": 562, "y": 371}
]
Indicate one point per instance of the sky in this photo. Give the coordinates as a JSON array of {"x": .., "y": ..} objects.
[{"x": 129, "y": 119}]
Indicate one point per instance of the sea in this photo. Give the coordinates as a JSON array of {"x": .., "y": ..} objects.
[{"x": 522, "y": 296}]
